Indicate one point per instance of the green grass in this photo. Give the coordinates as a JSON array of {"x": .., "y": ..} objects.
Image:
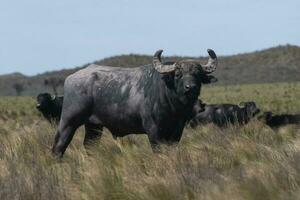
[
  {"x": 277, "y": 97},
  {"x": 249, "y": 162}
]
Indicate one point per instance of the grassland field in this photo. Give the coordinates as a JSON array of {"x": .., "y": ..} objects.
[{"x": 238, "y": 162}]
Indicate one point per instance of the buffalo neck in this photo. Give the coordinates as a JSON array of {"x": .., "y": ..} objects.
[
  {"x": 166, "y": 96},
  {"x": 246, "y": 115},
  {"x": 53, "y": 109}
]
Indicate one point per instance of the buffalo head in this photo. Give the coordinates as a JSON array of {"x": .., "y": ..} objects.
[
  {"x": 266, "y": 117},
  {"x": 251, "y": 108},
  {"x": 43, "y": 101},
  {"x": 186, "y": 76}
]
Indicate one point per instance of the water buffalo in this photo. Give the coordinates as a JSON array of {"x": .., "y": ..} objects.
[
  {"x": 275, "y": 121},
  {"x": 49, "y": 106},
  {"x": 222, "y": 114},
  {"x": 155, "y": 99}
]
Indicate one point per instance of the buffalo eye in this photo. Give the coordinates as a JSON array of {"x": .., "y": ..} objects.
[{"x": 178, "y": 74}]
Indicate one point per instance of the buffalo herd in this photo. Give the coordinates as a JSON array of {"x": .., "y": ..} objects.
[
  {"x": 158, "y": 100},
  {"x": 222, "y": 114}
]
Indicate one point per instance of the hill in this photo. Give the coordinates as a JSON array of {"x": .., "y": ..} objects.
[{"x": 277, "y": 64}]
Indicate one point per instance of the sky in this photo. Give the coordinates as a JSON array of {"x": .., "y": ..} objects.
[{"x": 43, "y": 35}]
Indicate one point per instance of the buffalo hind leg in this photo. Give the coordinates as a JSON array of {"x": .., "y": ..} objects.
[
  {"x": 93, "y": 133},
  {"x": 65, "y": 133},
  {"x": 63, "y": 138}
]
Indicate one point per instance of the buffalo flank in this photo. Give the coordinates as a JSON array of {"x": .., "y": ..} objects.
[{"x": 222, "y": 114}]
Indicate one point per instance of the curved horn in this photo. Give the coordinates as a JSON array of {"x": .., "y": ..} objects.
[
  {"x": 158, "y": 66},
  {"x": 212, "y": 63}
]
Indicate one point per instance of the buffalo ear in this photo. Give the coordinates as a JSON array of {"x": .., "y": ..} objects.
[
  {"x": 168, "y": 78},
  {"x": 208, "y": 79},
  {"x": 53, "y": 97}
]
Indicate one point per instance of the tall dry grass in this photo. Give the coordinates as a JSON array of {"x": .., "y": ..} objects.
[{"x": 249, "y": 162}]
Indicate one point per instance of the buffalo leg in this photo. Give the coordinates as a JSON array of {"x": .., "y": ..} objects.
[
  {"x": 177, "y": 134},
  {"x": 65, "y": 133},
  {"x": 168, "y": 138},
  {"x": 93, "y": 133},
  {"x": 153, "y": 138},
  {"x": 154, "y": 143},
  {"x": 63, "y": 138},
  {"x": 152, "y": 134}
]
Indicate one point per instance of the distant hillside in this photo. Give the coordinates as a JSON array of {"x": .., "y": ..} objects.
[{"x": 278, "y": 64}]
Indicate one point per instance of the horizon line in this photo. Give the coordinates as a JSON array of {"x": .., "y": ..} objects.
[{"x": 140, "y": 54}]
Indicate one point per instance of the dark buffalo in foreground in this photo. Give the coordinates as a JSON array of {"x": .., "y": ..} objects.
[
  {"x": 276, "y": 121},
  {"x": 49, "y": 106},
  {"x": 155, "y": 99},
  {"x": 222, "y": 114}
]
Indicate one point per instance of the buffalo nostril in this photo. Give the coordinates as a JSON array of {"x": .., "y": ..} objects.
[{"x": 187, "y": 87}]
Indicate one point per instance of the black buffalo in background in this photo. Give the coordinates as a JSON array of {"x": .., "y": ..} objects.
[
  {"x": 50, "y": 106},
  {"x": 275, "y": 121},
  {"x": 222, "y": 114}
]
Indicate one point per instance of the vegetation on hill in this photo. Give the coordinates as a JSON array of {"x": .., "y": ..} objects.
[{"x": 278, "y": 64}]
